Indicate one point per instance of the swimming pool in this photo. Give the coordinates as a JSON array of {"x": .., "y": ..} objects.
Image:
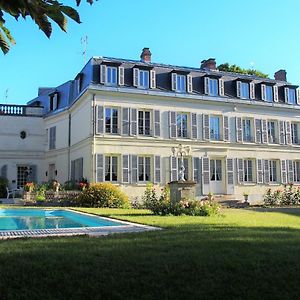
[{"x": 25, "y": 222}]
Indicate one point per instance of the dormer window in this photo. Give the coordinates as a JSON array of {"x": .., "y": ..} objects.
[
  {"x": 290, "y": 95},
  {"x": 213, "y": 86},
  {"x": 78, "y": 82},
  {"x": 182, "y": 83},
  {"x": 245, "y": 90},
  {"x": 144, "y": 79},
  {"x": 267, "y": 93},
  {"x": 53, "y": 101},
  {"x": 111, "y": 75}
]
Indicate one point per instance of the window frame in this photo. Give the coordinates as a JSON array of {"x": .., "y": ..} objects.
[
  {"x": 112, "y": 126},
  {"x": 272, "y": 139},
  {"x": 144, "y": 159},
  {"x": 296, "y": 170},
  {"x": 295, "y": 138},
  {"x": 142, "y": 83},
  {"x": 182, "y": 133},
  {"x": 250, "y": 137},
  {"x": 212, "y": 136},
  {"x": 242, "y": 90},
  {"x": 109, "y": 73},
  {"x": 273, "y": 165},
  {"x": 248, "y": 170},
  {"x": 292, "y": 92},
  {"x": 216, "y": 87},
  {"x": 109, "y": 172},
  {"x": 181, "y": 82},
  {"x": 268, "y": 89},
  {"x": 143, "y": 127}
]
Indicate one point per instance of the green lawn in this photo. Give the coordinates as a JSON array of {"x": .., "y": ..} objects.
[{"x": 244, "y": 254}]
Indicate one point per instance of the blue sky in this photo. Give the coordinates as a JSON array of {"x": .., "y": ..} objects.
[{"x": 263, "y": 33}]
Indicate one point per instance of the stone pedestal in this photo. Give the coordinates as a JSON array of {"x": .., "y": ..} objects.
[{"x": 182, "y": 190}]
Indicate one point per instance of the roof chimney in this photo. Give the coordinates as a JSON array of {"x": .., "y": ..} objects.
[
  {"x": 280, "y": 75},
  {"x": 209, "y": 64},
  {"x": 146, "y": 55}
]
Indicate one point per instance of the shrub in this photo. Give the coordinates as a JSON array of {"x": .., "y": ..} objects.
[
  {"x": 103, "y": 195},
  {"x": 288, "y": 196},
  {"x": 163, "y": 206},
  {"x": 3, "y": 185}
]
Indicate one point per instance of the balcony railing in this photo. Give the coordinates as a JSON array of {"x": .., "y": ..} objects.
[{"x": 20, "y": 110}]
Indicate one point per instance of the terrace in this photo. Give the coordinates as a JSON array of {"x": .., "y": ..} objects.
[{"x": 21, "y": 110}]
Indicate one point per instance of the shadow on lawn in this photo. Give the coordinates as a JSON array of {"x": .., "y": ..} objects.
[
  {"x": 192, "y": 261},
  {"x": 286, "y": 210}
]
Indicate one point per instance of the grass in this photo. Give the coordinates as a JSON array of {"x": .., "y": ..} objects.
[{"x": 243, "y": 254}]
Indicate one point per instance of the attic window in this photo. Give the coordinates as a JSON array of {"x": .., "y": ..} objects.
[{"x": 53, "y": 101}]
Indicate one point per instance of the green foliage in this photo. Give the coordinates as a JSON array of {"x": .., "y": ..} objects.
[
  {"x": 40, "y": 191},
  {"x": 289, "y": 195},
  {"x": 226, "y": 67},
  {"x": 103, "y": 195},
  {"x": 163, "y": 206},
  {"x": 70, "y": 186},
  {"x": 3, "y": 185},
  {"x": 41, "y": 12}
]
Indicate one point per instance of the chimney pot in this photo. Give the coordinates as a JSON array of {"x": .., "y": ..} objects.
[
  {"x": 280, "y": 75},
  {"x": 209, "y": 64},
  {"x": 146, "y": 55}
]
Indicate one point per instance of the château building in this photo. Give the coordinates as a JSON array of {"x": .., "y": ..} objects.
[{"x": 118, "y": 120}]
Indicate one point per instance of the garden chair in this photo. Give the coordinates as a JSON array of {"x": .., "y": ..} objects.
[{"x": 10, "y": 192}]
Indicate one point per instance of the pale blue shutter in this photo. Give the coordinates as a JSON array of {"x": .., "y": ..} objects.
[
  {"x": 206, "y": 136},
  {"x": 196, "y": 169},
  {"x": 103, "y": 74},
  {"x": 134, "y": 168},
  {"x": 281, "y": 133},
  {"x": 266, "y": 171},
  {"x": 288, "y": 137},
  {"x": 225, "y": 129},
  {"x": 264, "y": 130},
  {"x": 205, "y": 175},
  {"x": 240, "y": 170},
  {"x": 172, "y": 124},
  {"x": 152, "y": 79},
  {"x": 157, "y": 169},
  {"x": 239, "y": 129},
  {"x": 258, "y": 131},
  {"x": 99, "y": 168},
  {"x": 283, "y": 164},
  {"x": 230, "y": 179},
  {"x": 259, "y": 169},
  {"x": 156, "y": 123},
  {"x": 121, "y": 76},
  {"x": 100, "y": 119},
  {"x": 136, "y": 77},
  {"x": 133, "y": 121},
  {"x": 194, "y": 126},
  {"x": 290, "y": 171},
  {"x": 125, "y": 121},
  {"x": 125, "y": 168},
  {"x": 174, "y": 168}
]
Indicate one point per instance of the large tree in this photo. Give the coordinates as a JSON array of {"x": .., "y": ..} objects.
[{"x": 40, "y": 11}]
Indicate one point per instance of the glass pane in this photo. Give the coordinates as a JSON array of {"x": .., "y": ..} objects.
[
  {"x": 218, "y": 170},
  {"x": 107, "y": 168},
  {"x": 212, "y": 170},
  {"x": 141, "y": 168}
]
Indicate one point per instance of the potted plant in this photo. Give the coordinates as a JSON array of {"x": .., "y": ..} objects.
[
  {"x": 210, "y": 196},
  {"x": 246, "y": 196}
]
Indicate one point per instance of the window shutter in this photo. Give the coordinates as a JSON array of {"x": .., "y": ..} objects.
[
  {"x": 103, "y": 74},
  {"x": 206, "y": 85},
  {"x": 258, "y": 131},
  {"x": 221, "y": 87},
  {"x": 174, "y": 81},
  {"x": 196, "y": 169},
  {"x": 290, "y": 171},
  {"x": 238, "y": 89},
  {"x": 281, "y": 133},
  {"x": 288, "y": 137},
  {"x": 240, "y": 170},
  {"x": 174, "y": 168},
  {"x": 133, "y": 121},
  {"x": 136, "y": 77},
  {"x": 157, "y": 169},
  {"x": 172, "y": 124},
  {"x": 121, "y": 76},
  {"x": 152, "y": 79},
  {"x": 230, "y": 179},
  {"x": 194, "y": 126},
  {"x": 298, "y": 96},
  {"x": 252, "y": 90},
  {"x": 266, "y": 171},
  {"x": 99, "y": 168},
  {"x": 125, "y": 168},
  {"x": 259, "y": 169},
  {"x": 264, "y": 127},
  {"x": 206, "y": 136},
  {"x": 73, "y": 170},
  {"x": 286, "y": 95},
  {"x": 55, "y": 101},
  {"x": 54, "y": 137},
  {"x": 156, "y": 123},
  {"x": 3, "y": 173},
  {"x": 239, "y": 129},
  {"x": 225, "y": 129},
  {"x": 283, "y": 172},
  {"x": 125, "y": 120},
  {"x": 275, "y": 92},
  {"x": 32, "y": 177},
  {"x": 134, "y": 168},
  {"x": 189, "y": 79},
  {"x": 205, "y": 175},
  {"x": 263, "y": 92},
  {"x": 100, "y": 119}
]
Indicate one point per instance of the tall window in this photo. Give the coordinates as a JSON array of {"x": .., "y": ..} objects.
[
  {"x": 215, "y": 170},
  {"x": 297, "y": 171},
  {"x": 144, "y": 79},
  {"x": 22, "y": 176},
  {"x": 214, "y": 128},
  {"x": 144, "y": 122},
  {"x": 269, "y": 93},
  {"x": 272, "y": 132},
  {"x": 213, "y": 87},
  {"x": 247, "y": 132},
  {"x": 295, "y": 139},
  {"x": 52, "y": 138},
  {"x": 111, "y": 120},
  {"x": 292, "y": 96},
  {"x": 144, "y": 168},
  {"x": 248, "y": 170},
  {"x": 245, "y": 90},
  {"x": 273, "y": 171},
  {"x": 181, "y": 83},
  {"x": 182, "y": 124},
  {"x": 111, "y": 75},
  {"x": 111, "y": 168}
]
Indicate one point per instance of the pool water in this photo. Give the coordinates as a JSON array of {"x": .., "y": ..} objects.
[{"x": 24, "y": 218}]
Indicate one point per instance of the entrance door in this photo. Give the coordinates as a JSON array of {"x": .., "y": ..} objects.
[{"x": 217, "y": 176}]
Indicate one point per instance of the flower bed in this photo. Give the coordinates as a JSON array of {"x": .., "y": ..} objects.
[{"x": 288, "y": 195}]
